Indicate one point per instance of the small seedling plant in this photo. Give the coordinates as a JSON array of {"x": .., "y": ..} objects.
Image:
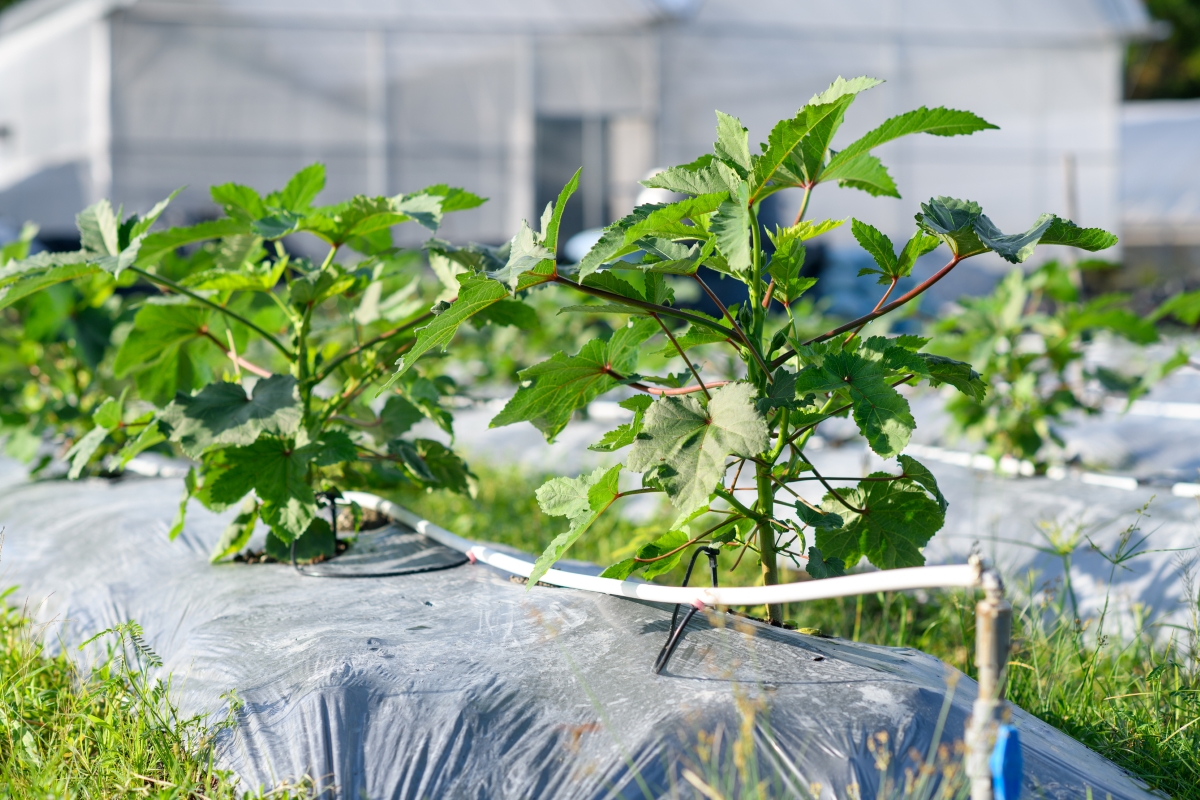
[
  {"x": 693, "y": 438},
  {"x": 287, "y": 422},
  {"x": 1028, "y": 338}
]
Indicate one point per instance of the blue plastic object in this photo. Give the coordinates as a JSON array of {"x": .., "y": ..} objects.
[{"x": 1006, "y": 765}]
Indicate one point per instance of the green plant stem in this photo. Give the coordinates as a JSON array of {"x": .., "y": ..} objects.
[
  {"x": 383, "y": 337},
  {"x": 728, "y": 497},
  {"x": 830, "y": 489},
  {"x": 170, "y": 284},
  {"x": 736, "y": 328},
  {"x": 766, "y": 537},
  {"x": 803, "y": 205},
  {"x": 911, "y": 294}
]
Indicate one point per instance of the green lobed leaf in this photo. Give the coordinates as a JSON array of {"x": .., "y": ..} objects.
[
  {"x": 302, "y": 188},
  {"x": 398, "y": 416},
  {"x": 526, "y": 252},
  {"x": 815, "y": 518},
  {"x": 222, "y": 414},
  {"x": 786, "y": 264},
  {"x": 934, "y": 121},
  {"x": 878, "y": 245},
  {"x": 551, "y": 391},
  {"x": 882, "y": 414},
  {"x": 917, "y": 472},
  {"x": 156, "y": 330},
  {"x": 237, "y": 533},
  {"x": 731, "y": 227},
  {"x": 782, "y": 143},
  {"x": 276, "y": 469},
  {"x": 667, "y": 222},
  {"x": 960, "y": 375},
  {"x": 683, "y": 444},
  {"x": 1065, "y": 232},
  {"x": 865, "y": 173},
  {"x": 476, "y": 293},
  {"x": 157, "y": 245},
  {"x": 900, "y": 520},
  {"x": 581, "y": 500}
]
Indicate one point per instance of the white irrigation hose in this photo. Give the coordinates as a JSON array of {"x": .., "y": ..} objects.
[{"x": 892, "y": 580}]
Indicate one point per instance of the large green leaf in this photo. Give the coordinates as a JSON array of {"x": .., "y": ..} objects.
[
  {"x": 1065, "y": 232},
  {"x": 20, "y": 289},
  {"x": 705, "y": 175},
  {"x": 731, "y": 227},
  {"x": 684, "y": 444},
  {"x": 581, "y": 500},
  {"x": 935, "y": 121},
  {"x": 160, "y": 244},
  {"x": 882, "y": 415},
  {"x": 967, "y": 231},
  {"x": 157, "y": 329},
  {"x": 783, "y": 142},
  {"x": 960, "y": 375},
  {"x": 477, "y": 292},
  {"x": 222, "y": 414},
  {"x": 276, "y": 469},
  {"x": 551, "y": 391},
  {"x": 301, "y": 189},
  {"x": 667, "y": 222},
  {"x": 900, "y": 518},
  {"x": 865, "y": 173}
]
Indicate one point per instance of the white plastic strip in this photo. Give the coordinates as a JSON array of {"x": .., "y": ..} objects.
[{"x": 892, "y": 580}]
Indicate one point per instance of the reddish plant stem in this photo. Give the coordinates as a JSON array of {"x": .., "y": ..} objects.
[
  {"x": 882, "y": 300},
  {"x": 682, "y": 355},
  {"x": 234, "y": 357},
  {"x": 916, "y": 291}
]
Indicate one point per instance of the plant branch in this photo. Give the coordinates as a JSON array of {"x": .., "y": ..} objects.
[
  {"x": 234, "y": 357},
  {"x": 882, "y": 300},
  {"x": 728, "y": 497},
  {"x": 653, "y": 308},
  {"x": 682, "y": 355},
  {"x": 830, "y": 489},
  {"x": 840, "y": 409},
  {"x": 383, "y": 337},
  {"x": 916, "y": 291},
  {"x": 150, "y": 276},
  {"x": 803, "y": 205}
]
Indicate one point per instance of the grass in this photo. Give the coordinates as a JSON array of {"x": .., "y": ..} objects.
[
  {"x": 111, "y": 734},
  {"x": 1131, "y": 694}
]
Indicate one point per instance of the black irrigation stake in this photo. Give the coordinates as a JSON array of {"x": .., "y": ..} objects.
[{"x": 676, "y": 634}]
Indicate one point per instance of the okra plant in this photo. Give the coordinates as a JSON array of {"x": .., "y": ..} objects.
[
  {"x": 259, "y": 364},
  {"x": 691, "y": 437},
  {"x": 1028, "y": 337}
]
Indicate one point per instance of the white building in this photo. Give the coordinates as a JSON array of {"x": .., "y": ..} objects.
[{"x": 133, "y": 98}]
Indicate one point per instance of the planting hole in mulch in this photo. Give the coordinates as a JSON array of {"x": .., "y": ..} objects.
[{"x": 382, "y": 547}]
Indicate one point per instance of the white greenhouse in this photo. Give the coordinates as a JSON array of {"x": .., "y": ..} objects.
[{"x": 134, "y": 98}]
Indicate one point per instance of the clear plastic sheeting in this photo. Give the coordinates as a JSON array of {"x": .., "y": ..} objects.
[{"x": 459, "y": 683}]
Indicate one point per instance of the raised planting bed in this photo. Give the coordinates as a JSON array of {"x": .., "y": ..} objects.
[{"x": 459, "y": 682}]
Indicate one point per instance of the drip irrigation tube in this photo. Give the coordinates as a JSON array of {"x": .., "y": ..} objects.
[{"x": 893, "y": 580}]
